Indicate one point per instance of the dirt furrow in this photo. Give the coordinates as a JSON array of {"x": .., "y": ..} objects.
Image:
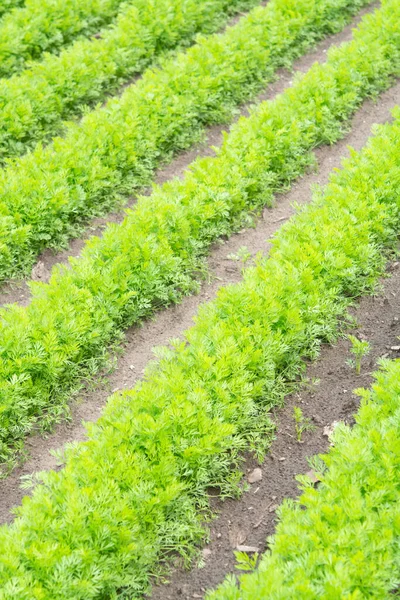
[{"x": 19, "y": 291}]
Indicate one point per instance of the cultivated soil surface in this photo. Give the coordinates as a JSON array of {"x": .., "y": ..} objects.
[{"x": 170, "y": 323}]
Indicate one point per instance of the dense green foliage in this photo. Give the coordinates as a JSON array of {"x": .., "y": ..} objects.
[
  {"x": 6, "y": 5},
  {"x": 132, "y": 492},
  {"x": 149, "y": 260},
  {"x": 342, "y": 539},
  {"x": 47, "y": 25},
  {"x": 45, "y": 195},
  {"x": 33, "y": 103}
]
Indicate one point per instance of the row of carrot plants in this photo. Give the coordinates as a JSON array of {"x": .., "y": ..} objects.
[
  {"x": 34, "y": 102},
  {"x": 342, "y": 539},
  {"x": 6, "y": 5},
  {"x": 45, "y": 195},
  {"x": 149, "y": 260},
  {"x": 46, "y": 26},
  {"x": 137, "y": 488}
]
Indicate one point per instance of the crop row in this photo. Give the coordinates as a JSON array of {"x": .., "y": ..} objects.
[
  {"x": 45, "y": 195},
  {"x": 33, "y": 103},
  {"x": 47, "y": 25},
  {"x": 6, "y": 5},
  {"x": 341, "y": 540},
  {"x": 132, "y": 492},
  {"x": 149, "y": 260}
]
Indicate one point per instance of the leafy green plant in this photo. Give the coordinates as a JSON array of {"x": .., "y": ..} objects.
[
  {"x": 302, "y": 423},
  {"x": 46, "y": 196},
  {"x": 245, "y": 561},
  {"x": 47, "y": 25},
  {"x": 137, "y": 488},
  {"x": 359, "y": 348},
  {"x": 341, "y": 540},
  {"x": 148, "y": 261},
  {"x": 243, "y": 255},
  {"x": 6, "y": 5},
  {"x": 62, "y": 86},
  {"x": 317, "y": 465},
  {"x": 309, "y": 384}
]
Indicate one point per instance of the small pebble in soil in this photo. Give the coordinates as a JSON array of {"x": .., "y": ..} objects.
[
  {"x": 329, "y": 429},
  {"x": 313, "y": 476},
  {"x": 255, "y": 476},
  {"x": 247, "y": 548}
]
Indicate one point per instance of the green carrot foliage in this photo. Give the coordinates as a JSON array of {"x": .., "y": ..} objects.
[
  {"x": 151, "y": 258},
  {"x": 137, "y": 488},
  {"x": 34, "y": 102},
  {"x": 6, "y": 5},
  {"x": 46, "y": 26},
  {"x": 302, "y": 423},
  {"x": 359, "y": 349},
  {"x": 47, "y": 195},
  {"x": 342, "y": 539}
]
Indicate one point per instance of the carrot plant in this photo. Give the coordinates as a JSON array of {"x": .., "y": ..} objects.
[
  {"x": 359, "y": 349},
  {"x": 46, "y": 195},
  {"x": 137, "y": 488},
  {"x": 34, "y": 102},
  {"x": 301, "y": 423},
  {"x": 342, "y": 539},
  {"x": 150, "y": 259},
  {"x": 47, "y": 25},
  {"x": 6, "y": 5}
]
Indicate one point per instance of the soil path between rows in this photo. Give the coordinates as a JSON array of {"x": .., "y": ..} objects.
[
  {"x": 250, "y": 520},
  {"x": 172, "y": 322},
  {"x": 18, "y": 290}
]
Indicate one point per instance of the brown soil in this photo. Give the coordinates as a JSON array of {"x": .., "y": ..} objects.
[
  {"x": 251, "y": 519},
  {"x": 18, "y": 290},
  {"x": 170, "y": 323}
]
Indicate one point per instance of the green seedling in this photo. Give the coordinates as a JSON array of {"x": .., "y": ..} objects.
[
  {"x": 302, "y": 423},
  {"x": 308, "y": 383},
  {"x": 245, "y": 562},
  {"x": 242, "y": 255},
  {"x": 359, "y": 348}
]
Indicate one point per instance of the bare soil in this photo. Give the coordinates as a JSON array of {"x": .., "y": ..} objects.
[
  {"x": 170, "y": 323},
  {"x": 18, "y": 291},
  {"x": 250, "y": 520}
]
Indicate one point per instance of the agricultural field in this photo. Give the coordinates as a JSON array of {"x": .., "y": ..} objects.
[{"x": 199, "y": 299}]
